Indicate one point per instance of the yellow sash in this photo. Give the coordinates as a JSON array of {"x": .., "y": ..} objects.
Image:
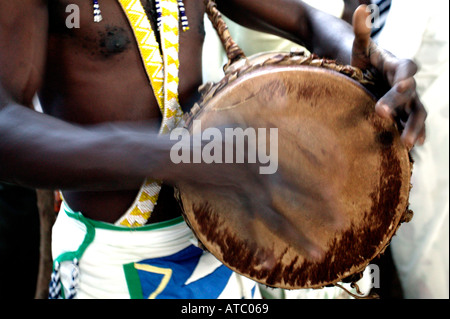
[{"x": 162, "y": 72}]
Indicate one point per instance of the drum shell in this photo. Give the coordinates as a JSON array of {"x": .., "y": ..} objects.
[{"x": 330, "y": 139}]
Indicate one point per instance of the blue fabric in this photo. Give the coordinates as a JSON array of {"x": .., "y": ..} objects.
[{"x": 183, "y": 265}]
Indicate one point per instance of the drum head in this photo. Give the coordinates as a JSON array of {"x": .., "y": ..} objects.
[{"x": 331, "y": 147}]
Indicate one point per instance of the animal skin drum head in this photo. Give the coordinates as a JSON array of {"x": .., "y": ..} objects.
[{"x": 336, "y": 154}]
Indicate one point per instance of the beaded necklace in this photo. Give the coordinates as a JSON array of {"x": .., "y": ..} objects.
[
  {"x": 162, "y": 71},
  {"x": 184, "y": 21}
]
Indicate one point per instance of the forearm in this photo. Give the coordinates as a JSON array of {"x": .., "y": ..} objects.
[
  {"x": 331, "y": 37},
  {"x": 319, "y": 32},
  {"x": 43, "y": 152}
]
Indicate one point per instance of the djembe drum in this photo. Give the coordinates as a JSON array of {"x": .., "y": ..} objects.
[{"x": 332, "y": 147}]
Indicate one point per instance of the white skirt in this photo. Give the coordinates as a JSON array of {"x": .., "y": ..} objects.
[{"x": 161, "y": 261}]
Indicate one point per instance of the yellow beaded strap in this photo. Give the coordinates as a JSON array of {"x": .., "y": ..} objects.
[{"x": 162, "y": 72}]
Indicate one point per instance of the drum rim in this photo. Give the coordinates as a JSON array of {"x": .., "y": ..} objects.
[
  {"x": 276, "y": 60},
  {"x": 233, "y": 79}
]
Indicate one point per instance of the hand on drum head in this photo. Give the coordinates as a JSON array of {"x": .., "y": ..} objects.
[
  {"x": 242, "y": 185},
  {"x": 401, "y": 102}
]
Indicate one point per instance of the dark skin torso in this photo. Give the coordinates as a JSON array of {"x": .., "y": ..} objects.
[{"x": 94, "y": 74}]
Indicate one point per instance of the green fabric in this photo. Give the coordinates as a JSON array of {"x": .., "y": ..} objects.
[
  {"x": 133, "y": 281},
  {"x": 106, "y": 226},
  {"x": 131, "y": 273}
]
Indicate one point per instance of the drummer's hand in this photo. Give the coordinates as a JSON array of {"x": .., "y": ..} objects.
[
  {"x": 245, "y": 185},
  {"x": 401, "y": 101}
]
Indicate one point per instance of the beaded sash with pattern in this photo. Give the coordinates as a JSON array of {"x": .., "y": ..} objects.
[{"x": 162, "y": 71}]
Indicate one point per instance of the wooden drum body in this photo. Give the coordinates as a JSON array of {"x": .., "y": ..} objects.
[{"x": 336, "y": 153}]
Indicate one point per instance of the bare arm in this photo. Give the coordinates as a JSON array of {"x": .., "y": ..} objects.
[
  {"x": 23, "y": 39},
  {"x": 295, "y": 20},
  {"x": 333, "y": 38},
  {"x": 39, "y": 151}
]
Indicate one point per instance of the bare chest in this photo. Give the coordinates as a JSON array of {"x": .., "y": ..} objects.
[
  {"x": 113, "y": 35},
  {"x": 103, "y": 58}
]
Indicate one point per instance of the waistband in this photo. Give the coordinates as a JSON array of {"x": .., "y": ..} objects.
[
  {"x": 91, "y": 246},
  {"x": 106, "y": 226}
]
